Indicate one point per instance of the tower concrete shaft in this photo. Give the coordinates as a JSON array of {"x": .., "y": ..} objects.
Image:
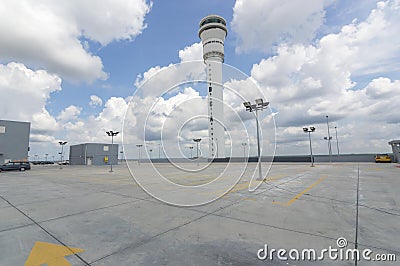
[{"x": 212, "y": 34}]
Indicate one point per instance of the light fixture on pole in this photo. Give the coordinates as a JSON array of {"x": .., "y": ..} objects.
[
  {"x": 337, "y": 141},
  {"x": 309, "y": 130},
  {"x": 139, "y": 146},
  {"x": 329, "y": 138},
  {"x": 46, "y": 156},
  {"x": 62, "y": 143},
  {"x": 258, "y": 106},
  {"x": 112, "y": 134},
  {"x": 244, "y": 144}
]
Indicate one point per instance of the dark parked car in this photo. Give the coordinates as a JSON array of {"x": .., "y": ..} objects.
[{"x": 21, "y": 166}]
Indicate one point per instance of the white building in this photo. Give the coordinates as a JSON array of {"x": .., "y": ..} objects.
[{"x": 212, "y": 34}]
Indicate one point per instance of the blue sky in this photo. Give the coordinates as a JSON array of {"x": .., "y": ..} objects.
[{"x": 337, "y": 58}]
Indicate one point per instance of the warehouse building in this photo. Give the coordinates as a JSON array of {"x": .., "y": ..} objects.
[
  {"x": 93, "y": 154},
  {"x": 14, "y": 141},
  {"x": 396, "y": 149}
]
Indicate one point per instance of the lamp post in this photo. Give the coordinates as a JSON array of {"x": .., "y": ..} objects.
[
  {"x": 122, "y": 155},
  {"x": 329, "y": 138},
  {"x": 139, "y": 146},
  {"x": 244, "y": 150},
  {"x": 112, "y": 134},
  {"x": 258, "y": 106},
  {"x": 309, "y": 130},
  {"x": 151, "y": 150},
  {"x": 62, "y": 143},
  {"x": 191, "y": 152},
  {"x": 197, "y": 143},
  {"x": 46, "y": 154},
  {"x": 337, "y": 141}
]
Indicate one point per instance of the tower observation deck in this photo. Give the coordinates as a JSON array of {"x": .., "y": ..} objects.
[{"x": 212, "y": 33}]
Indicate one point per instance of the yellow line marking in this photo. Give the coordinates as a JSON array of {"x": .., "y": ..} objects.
[
  {"x": 300, "y": 194},
  {"x": 273, "y": 178},
  {"x": 244, "y": 185},
  {"x": 252, "y": 199},
  {"x": 50, "y": 254},
  {"x": 185, "y": 177},
  {"x": 201, "y": 182}
]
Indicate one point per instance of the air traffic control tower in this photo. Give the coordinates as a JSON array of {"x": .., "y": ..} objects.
[{"x": 212, "y": 33}]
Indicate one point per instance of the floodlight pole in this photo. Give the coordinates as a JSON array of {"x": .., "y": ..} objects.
[
  {"x": 112, "y": 134},
  {"x": 197, "y": 143},
  {"x": 140, "y": 152},
  {"x": 258, "y": 148},
  {"x": 259, "y": 105},
  {"x": 329, "y": 140},
  {"x": 312, "y": 158},
  {"x": 337, "y": 141},
  {"x": 244, "y": 150},
  {"x": 62, "y": 143},
  {"x": 309, "y": 130}
]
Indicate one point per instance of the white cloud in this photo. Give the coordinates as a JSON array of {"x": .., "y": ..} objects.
[
  {"x": 259, "y": 25},
  {"x": 95, "y": 101},
  {"x": 109, "y": 20},
  {"x": 24, "y": 93},
  {"x": 114, "y": 110},
  {"x": 306, "y": 82},
  {"x": 70, "y": 113},
  {"x": 378, "y": 33},
  {"x": 383, "y": 87},
  {"x": 93, "y": 128},
  {"x": 193, "y": 52},
  {"x": 47, "y": 34}
]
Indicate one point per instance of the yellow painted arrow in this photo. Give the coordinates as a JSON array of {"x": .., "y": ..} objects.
[{"x": 50, "y": 254}]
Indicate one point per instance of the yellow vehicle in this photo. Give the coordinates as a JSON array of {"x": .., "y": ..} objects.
[{"x": 383, "y": 158}]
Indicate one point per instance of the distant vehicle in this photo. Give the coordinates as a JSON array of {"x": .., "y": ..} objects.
[
  {"x": 42, "y": 162},
  {"x": 21, "y": 166},
  {"x": 46, "y": 162},
  {"x": 383, "y": 158},
  {"x": 64, "y": 162}
]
